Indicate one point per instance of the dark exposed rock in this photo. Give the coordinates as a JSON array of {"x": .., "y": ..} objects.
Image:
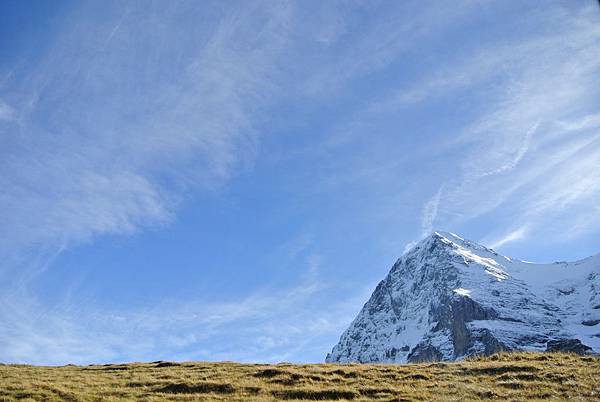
[
  {"x": 424, "y": 353},
  {"x": 568, "y": 345},
  {"x": 454, "y": 313},
  {"x": 491, "y": 343}
]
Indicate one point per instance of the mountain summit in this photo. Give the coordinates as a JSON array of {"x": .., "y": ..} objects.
[{"x": 448, "y": 298}]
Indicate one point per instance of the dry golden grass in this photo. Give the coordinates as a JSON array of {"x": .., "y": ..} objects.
[{"x": 505, "y": 377}]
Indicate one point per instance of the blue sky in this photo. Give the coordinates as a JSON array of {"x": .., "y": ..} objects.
[{"x": 230, "y": 180}]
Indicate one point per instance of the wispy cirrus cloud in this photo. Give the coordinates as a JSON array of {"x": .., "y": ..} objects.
[
  {"x": 124, "y": 113},
  {"x": 7, "y": 113},
  {"x": 380, "y": 35},
  {"x": 121, "y": 117},
  {"x": 519, "y": 154},
  {"x": 514, "y": 235},
  {"x": 268, "y": 325},
  {"x": 430, "y": 212},
  {"x": 501, "y": 150}
]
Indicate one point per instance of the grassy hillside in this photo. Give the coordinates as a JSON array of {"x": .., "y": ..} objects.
[{"x": 504, "y": 377}]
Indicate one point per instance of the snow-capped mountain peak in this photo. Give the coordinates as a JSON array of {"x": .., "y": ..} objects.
[{"x": 449, "y": 297}]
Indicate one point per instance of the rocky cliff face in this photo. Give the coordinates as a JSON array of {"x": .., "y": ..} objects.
[{"x": 449, "y": 298}]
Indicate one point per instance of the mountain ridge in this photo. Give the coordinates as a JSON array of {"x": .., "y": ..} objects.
[{"x": 449, "y": 297}]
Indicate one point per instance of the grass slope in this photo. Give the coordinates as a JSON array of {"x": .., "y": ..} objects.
[{"x": 517, "y": 376}]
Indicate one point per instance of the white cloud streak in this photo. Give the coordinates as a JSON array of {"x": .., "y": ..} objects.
[
  {"x": 119, "y": 109},
  {"x": 519, "y": 154},
  {"x": 7, "y": 113},
  {"x": 534, "y": 100},
  {"x": 514, "y": 235},
  {"x": 121, "y": 118},
  {"x": 430, "y": 211},
  {"x": 268, "y": 326}
]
